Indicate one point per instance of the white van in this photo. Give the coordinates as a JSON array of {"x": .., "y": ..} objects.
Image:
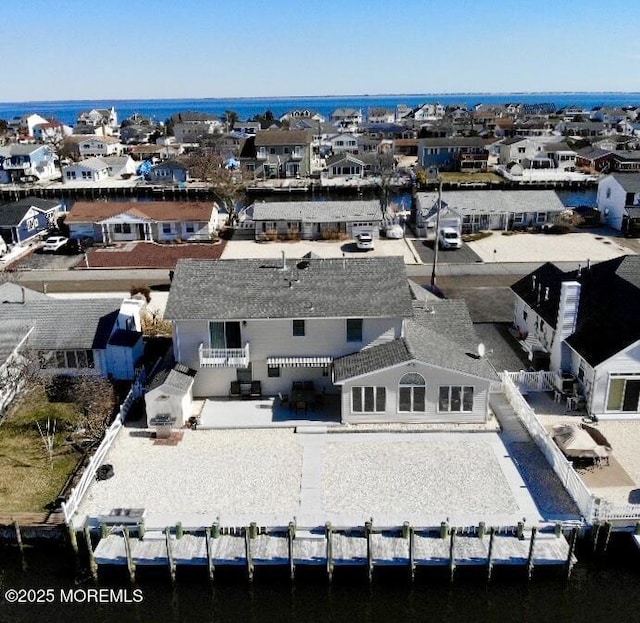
[{"x": 449, "y": 238}]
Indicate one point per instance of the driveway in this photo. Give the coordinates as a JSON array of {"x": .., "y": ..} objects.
[
  {"x": 37, "y": 260},
  {"x": 465, "y": 255}
]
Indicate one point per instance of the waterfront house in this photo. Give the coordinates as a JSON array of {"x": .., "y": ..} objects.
[
  {"x": 25, "y": 220},
  {"x": 277, "y": 154},
  {"x": 490, "y": 209},
  {"x": 619, "y": 202},
  {"x": 190, "y": 127},
  {"x": 453, "y": 153},
  {"x": 89, "y": 170},
  {"x": 347, "y": 119},
  {"x": 103, "y": 121},
  {"x": 51, "y": 132},
  {"x": 159, "y": 221},
  {"x": 26, "y": 162},
  {"x": 584, "y": 324},
  {"x": 77, "y": 336},
  {"x": 349, "y": 327},
  {"x": 91, "y": 146},
  {"x": 593, "y": 159},
  {"x": 309, "y": 220},
  {"x": 25, "y": 125},
  {"x": 168, "y": 172},
  {"x": 346, "y": 166}
]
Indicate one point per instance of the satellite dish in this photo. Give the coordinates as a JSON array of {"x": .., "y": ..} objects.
[{"x": 481, "y": 350}]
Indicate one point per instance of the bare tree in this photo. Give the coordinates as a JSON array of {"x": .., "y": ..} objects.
[{"x": 229, "y": 186}]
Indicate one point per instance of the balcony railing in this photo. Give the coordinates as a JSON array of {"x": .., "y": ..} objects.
[
  {"x": 7, "y": 164},
  {"x": 224, "y": 357}
]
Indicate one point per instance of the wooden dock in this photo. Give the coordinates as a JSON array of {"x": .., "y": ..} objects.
[{"x": 365, "y": 547}]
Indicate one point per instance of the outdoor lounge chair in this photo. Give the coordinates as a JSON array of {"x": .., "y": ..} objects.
[
  {"x": 234, "y": 390},
  {"x": 256, "y": 389}
]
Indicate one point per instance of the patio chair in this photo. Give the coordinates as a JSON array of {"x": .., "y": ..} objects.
[
  {"x": 234, "y": 390},
  {"x": 256, "y": 389},
  {"x": 245, "y": 390},
  {"x": 301, "y": 405},
  {"x": 284, "y": 398}
]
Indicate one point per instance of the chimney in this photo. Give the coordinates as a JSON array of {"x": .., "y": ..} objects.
[{"x": 568, "y": 309}]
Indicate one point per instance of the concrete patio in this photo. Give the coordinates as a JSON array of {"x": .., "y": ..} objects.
[{"x": 268, "y": 412}]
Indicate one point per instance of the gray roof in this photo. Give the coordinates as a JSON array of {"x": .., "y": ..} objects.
[
  {"x": 468, "y": 202},
  {"x": 14, "y": 293},
  {"x": 12, "y": 214},
  {"x": 176, "y": 379},
  {"x": 18, "y": 149},
  {"x": 629, "y": 181},
  {"x": 453, "y": 141},
  {"x": 62, "y": 323},
  {"x": 12, "y": 333},
  {"x": 46, "y": 205},
  {"x": 283, "y": 137},
  {"x": 317, "y": 211},
  {"x": 311, "y": 288},
  {"x": 440, "y": 334}
]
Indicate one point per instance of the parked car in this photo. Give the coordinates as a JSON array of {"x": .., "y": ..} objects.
[
  {"x": 53, "y": 244},
  {"x": 364, "y": 241},
  {"x": 79, "y": 245},
  {"x": 449, "y": 238},
  {"x": 394, "y": 231}
]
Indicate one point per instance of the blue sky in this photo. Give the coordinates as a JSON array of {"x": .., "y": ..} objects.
[{"x": 73, "y": 49}]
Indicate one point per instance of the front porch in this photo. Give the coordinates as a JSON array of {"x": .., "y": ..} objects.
[{"x": 268, "y": 412}]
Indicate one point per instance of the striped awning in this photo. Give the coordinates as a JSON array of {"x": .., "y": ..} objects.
[{"x": 298, "y": 362}]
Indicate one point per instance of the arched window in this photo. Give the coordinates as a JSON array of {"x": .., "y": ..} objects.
[{"x": 412, "y": 391}]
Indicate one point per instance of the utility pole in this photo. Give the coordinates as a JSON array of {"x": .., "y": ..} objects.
[{"x": 436, "y": 244}]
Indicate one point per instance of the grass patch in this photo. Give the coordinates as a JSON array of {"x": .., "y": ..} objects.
[
  {"x": 28, "y": 480},
  {"x": 477, "y": 236},
  {"x": 470, "y": 178}
]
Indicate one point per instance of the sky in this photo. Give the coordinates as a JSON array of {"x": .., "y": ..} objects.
[{"x": 127, "y": 49}]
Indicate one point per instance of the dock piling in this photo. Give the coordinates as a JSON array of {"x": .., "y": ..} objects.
[
  {"x": 291, "y": 532},
  {"x": 93, "y": 566},
  {"x": 452, "y": 559},
  {"x": 595, "y": 533},
  {"x": 127, "y": 550},
  {"x": 247, "y": 549},
  {"x": 207, "y": 536},
  {"x": 492, "y": 534},
  {"x": 608, "y": 528},
  {"x": 368, "y": 527},
  {"x": 572, "y": 546},
  {"x": 328, "y": 532},
  {"x": 530, "y": 559},
  {"x": 412, "y": 561},
  {"x": 73, "y": 540},
  {"x": 172, "y": 567}
]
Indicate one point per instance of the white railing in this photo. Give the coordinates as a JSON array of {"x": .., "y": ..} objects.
[
  {"x": 563, "y": 468},
  {"x": 224, "y": 357},
  {"x": 73, "y": 501},
  {"x": 540, "y": 381},
  {"x": 606, "y": 511}
]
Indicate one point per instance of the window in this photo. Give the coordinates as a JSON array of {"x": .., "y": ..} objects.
[
  {"x": 272, "y": 150},
  {"x": 412, "y": 391},
  {"x": 521, "y": 150},
  {"x": 76, "y": 359},
  {"x": 273, "y": 372},
  {"x": 368, "y": 399},
  {"x": 354, "y": 329},
  {"x": 608, "y": 193},
  {"x": 624, "y": 394},
  {"x": 524, "y": 315},
  {"x": 541, "y": 217},
  {"x": 581, "y": 370},
  {"x": 518, "y": 218},
  {"x": 455, "y": 398},
  {"x": 298, "y": 328},
  {"x": 166, "y": 228},
  {"x": 190, "y": 228},
  {"x": 122, "y": 228}
]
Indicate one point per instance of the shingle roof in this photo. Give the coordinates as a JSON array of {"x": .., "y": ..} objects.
[
  {"x": 45, "y": 205},
  {"x": 469, "y": 202},
  {"x": 455, "y": 141},
  {"x": 94, "y": 212},
  {"x": 283, "y": 137},
  {"x": 440, "y": 334},
  {"x": 317, "y": 211},
  {"x": 11, "y": 214},
  {"x": 310, "y": 288},
  {"x": 629, "y": 181},
  {"x": 64, "y": 324},
  {"x": 608, "y": 309}
]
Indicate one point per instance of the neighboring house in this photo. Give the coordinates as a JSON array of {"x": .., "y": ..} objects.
[
  {"x": 151, "y": 221},
  {"x": 277, "y": 154},
  {"x": 619, "y": 202},
  {"x": 343, "y": 143},
  {"x": 453, "y": 153},
  {"x": 593, "y": 159},
  {"x": 586, "y": 323},
  {"x": 51, "y": 132},
  {"x": 190, "y": 127},
  {"x": 100, "y": 146},
  {"x": 79, "y": 336},
  {"x": 250, "y": 128},
  {"x": 346, "y": 118},
  {"x": 304, "y": 113},
  {"x": 89, "y": 170},
  {"x": 311, "y": 220},
  {"x": 25, "y": 125},
  {"x": 381, "y": 115},
  {"x": 429, "y": 112},
  {"x": 345, "y": 166},
  {"x": 561, "y": 155},
  {"x": 28, "y": 218},
  {"x": 99, "y": 169},
  {"x": 526, "y": 149},
  {"x": 102, "y": 121},
  {"x": 156, "y": 152},
  {"x": 490, "y": 209},
  {"x": 349, "y": 326},
  {"x": 20, "y": 162},
  {"x": 168, "y": 172}
]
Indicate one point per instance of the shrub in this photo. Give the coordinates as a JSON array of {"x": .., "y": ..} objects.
[
  {"x": 144, "y": 290},
  {"x": 557, "y": 229}
]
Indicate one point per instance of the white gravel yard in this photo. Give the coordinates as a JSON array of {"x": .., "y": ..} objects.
[
  {"x": 232, "y": 473},
  {"x": 414, "y": 477},
  {"x": 272, "y": 476}
]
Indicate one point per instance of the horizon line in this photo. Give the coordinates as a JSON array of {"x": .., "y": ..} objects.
[{"x": 326, "y": 96}]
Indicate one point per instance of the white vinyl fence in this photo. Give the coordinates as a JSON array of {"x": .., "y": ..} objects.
[
  {"x": 540, "y": 381},
  {"x": 563, "y": 468}
]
